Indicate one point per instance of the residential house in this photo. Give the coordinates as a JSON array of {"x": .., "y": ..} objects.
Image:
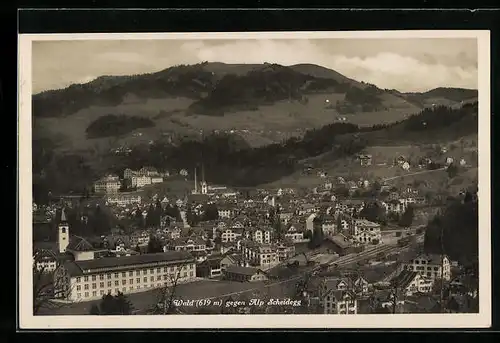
[
  {"x": 411, "y": 282},
  {"x": 365, "y": 160},
  {"x": 109, "y": 184},
  {"x": 295, "y": 233},
  {"x": 139, "y": 181},
  {"x": 260, "y": 255},
  {"x": 232, "y": 260},
  {"x": 210, "y": 268},
  {"x": 123, "y": 199},
  {"x": 285, "y": 251},
  {"x": 305, "y": 209},
  {"x": 339, "y": 302},
  {"x": 261, "y": 236},
  {"x": 244, "y": 274},
  {"x": 431, "y": 266},
  {"x": 186, "y": 244},
  {"x": 328, "y": 225},
  {"x": 365, "y": 231}
]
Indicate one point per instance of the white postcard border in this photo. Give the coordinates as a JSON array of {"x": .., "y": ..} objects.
[{"x": 28, "y": 321}]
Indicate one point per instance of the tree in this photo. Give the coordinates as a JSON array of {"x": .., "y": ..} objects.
[
  {"x": 111, "y": 305},
  {"x": 154, "y": 245},
  {"x": 211, "y": 212},
  {"x": 407, "y": 218},
  {"x": 44, "y": 290},
  {"x": 168, "y": 293},
  {"x": 137, "y": 248},
  {"x": 373, "y": 212},
  {"x": 452, "y": 170}
]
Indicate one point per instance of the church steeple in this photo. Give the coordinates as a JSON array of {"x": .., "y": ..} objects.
[{"x": 63, "y": 232}]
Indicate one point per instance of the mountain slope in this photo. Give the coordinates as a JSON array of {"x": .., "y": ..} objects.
[{"x": 263, "y": 103}]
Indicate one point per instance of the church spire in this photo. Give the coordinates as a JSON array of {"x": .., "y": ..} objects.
[{"x": 63, "y": 216}]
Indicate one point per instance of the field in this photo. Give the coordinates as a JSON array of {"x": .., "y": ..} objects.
[
  {"x": 268, "y": 124},
  {"x": 146, "y": 300}
]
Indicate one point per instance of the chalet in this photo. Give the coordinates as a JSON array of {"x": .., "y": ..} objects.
[
  {"x": 244, "y": 274},
  {"x": 295, "y": 233}
]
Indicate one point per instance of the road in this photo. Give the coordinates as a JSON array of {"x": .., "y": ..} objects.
[{"x": 411, "y": 174}]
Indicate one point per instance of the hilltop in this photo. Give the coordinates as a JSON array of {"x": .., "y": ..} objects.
[{"x": 263, "y": 103}]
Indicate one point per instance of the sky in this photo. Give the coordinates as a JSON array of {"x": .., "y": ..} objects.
[{"x": 408, "y": 65}]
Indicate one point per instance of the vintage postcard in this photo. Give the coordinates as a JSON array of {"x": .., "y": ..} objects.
[{"x": 255, "y": 180}]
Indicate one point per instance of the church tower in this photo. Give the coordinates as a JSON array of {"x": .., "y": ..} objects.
[
  {"x": 63, "y": 233},
  {"x": 204, "y": 186}
]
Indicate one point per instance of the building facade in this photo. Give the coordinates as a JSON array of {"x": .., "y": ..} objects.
[{"x": 90, "y": 280}]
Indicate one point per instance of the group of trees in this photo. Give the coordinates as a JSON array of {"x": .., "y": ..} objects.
[
  {"x": 155, "y": 214},
  {"x": 112, "y": 305},
  {"x": 116, "y": 125},
  {"x": 375, "y": 212},
  {"x": 454, "y": 231}
]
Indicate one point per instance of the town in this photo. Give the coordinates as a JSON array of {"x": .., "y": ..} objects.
[{"x": 326, "y": 247}]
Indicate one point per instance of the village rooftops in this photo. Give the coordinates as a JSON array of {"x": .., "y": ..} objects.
[
  {"x": 341, "y": 241},
  {"x": 113, "y": 264}
]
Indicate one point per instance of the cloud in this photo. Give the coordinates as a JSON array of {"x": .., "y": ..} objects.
[{"x": 405, "y": 65}]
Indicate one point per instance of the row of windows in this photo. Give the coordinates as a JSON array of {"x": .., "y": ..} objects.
[
  {"x": 131, "y": 281},
  {"x": 116, "y": 290},
  {"x": 131, "y": 273}
]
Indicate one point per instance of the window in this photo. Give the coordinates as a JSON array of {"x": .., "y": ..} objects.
[
  {"x": 78, "y": 279},
  {"x": 85, "y": 278},
  {"x": 86, "y": 287},
  {"x": 152, "y": 278},
  {"x": 101, "y": 292},
  {"x": 131, "y": 273},
  {"x": 158, "y": 278},
  {"x": 165, "y": 269},
  {"x": 185, "y": 274},
  {"x": 145, "y": 272},
  {"x": 109, "y": 283},
  {"x": 164, "y": 277},
  {"x": 124, "y": 274},
  {"x": 116, "y": 283},
  {"x": 78, "y": 287},
  {"x": 190, "y": 273},
  {"x": 158, "y": 270},
  {"x": 116, "y": 275},
  {"x": 137, "y": 272},
  {"x": 145, "y": 279},
  {"x": 124, "y": 289},
  {"x": 101, "y": 284},
  {"x": 94, "y": 286},
  {"x": 138, "y": 280},
  {"x": 124, "y": 282},
  {"x": 109, "y": 276},
  {"x": 151, "y": 271},
  {"x": 86, "y": 294},
  {"x": 94, "y": 293},
  {"x": 94, "y": 277}
]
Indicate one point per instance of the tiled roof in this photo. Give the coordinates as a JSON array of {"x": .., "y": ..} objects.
[
  {"x": 77, "y": 243},
  {"x": 405, "y": 278},
  {"x": 242, "y": 270},
  {"x": 76, "y": 268}
]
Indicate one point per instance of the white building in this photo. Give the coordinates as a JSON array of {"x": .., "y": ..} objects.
[
  {"x": 108, "y": 184},
  {"x": 431, "y": 266},
  {"x": 123, "y": 199},
  {"x": 140, "y": 181},
  {"x": 339, "y": 302},
  {"x": 365, "y": 231},
  {"x": 91, "y": 279}
]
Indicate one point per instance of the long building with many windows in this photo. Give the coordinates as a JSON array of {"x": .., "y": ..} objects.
[{"x": 91, "y": 279}]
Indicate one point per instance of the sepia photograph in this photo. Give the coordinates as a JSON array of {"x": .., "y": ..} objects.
[{"x": 286, "y": 180}]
